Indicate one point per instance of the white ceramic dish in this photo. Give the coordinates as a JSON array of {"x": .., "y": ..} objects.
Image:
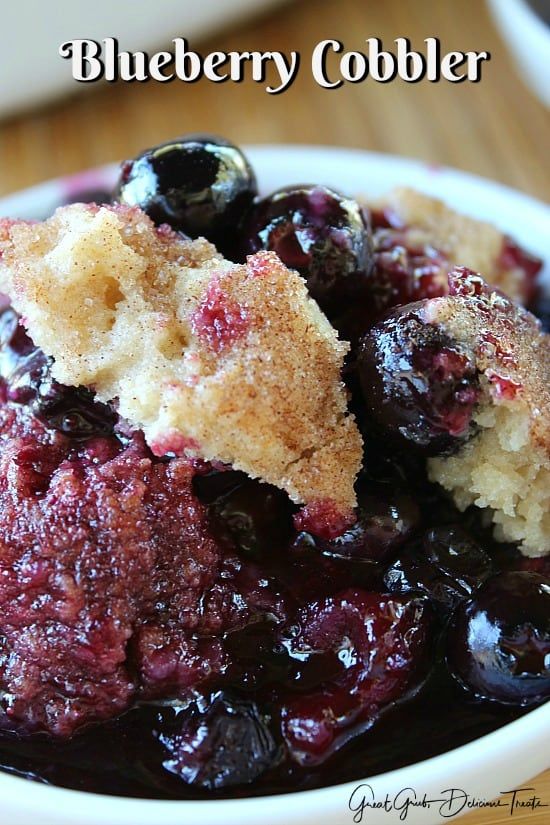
[
  {"x": 484, "y": 768},
  {"x": 32, "y": 71},
  {"x": 527, "y": 36}
]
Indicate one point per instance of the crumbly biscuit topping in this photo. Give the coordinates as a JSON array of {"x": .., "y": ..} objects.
[
  {"x": 465, "y": 241},
  {"x": 234, "y": 363},
  {"x": 506, "y": 466}
]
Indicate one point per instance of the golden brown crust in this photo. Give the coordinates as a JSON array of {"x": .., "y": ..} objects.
[
  {"x": 507, "y": 343},
  {"x": 506, "y": 466},
  {"x": 231, "y": 363},
  {"x": 465, "y": 241}
]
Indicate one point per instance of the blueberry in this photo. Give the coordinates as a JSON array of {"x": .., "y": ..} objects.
[
  {"x": 322, "y": 235},
  {"x": 498, "y": 645},
  {"x": 72, "y": 410},
  {"x": 212, "y": 485},
  {"x": 419, "y": 387},
  {"x": 380, "y": 644},
  {"x": 220, "y": 743},
  {"x": 198, "y": 184},
  {"x": 447, "y": 565},
  {"x": 256, "y": 518},
  {"x": 457, "y": 555},
  {"x": 26, "y": 374},
  {"x": 385, "y": 520}
]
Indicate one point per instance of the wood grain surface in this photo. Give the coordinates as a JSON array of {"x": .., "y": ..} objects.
[{"x": 495, "y": 128}]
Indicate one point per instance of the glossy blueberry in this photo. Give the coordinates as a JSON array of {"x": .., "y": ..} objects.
[
  {"x": 417, "y": 384},
  {"x": 321, "y": 234},
  {"x": 447, "y": 565},
  {"x": 198, "y": 184},
  {"x": 386, "y": 518},
  {"x": 221, "y": 742},
  {"x": 25, "y": 378},
  {"x": 498, "y": 646},
  {"x": 215, "y": 484},
  {"x": 256, "y": 518}
]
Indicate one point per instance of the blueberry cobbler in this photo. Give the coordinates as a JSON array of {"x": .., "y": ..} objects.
[{"x": 274, "y": 483}]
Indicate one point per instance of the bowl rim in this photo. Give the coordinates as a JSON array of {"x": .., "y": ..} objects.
[
  {"x": 535, "y": 724},
  {"x": 532, "y": 728}
]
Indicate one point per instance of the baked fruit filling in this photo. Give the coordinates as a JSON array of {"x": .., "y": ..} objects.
[
  {"x": 238, "y": 554},
  {"x": 428, "y": 224},
  {"x": 225, "y": 362},
  {"x": 464, "y": 380},
  {"x": 506, "y": 467}
]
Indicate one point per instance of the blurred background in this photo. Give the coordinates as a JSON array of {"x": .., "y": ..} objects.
[
  {"x": 499, "y": 128},
  {"x": 50, "y": 125}
]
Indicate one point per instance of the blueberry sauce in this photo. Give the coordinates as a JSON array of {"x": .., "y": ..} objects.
[
  {"x": 321, "y": 234},
  {"x": 181, "y": 631},
  {"x": 284, "y": 637}
]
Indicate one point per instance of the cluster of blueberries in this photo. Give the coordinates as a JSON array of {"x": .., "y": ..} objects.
[{"x": 433, "y": 582}]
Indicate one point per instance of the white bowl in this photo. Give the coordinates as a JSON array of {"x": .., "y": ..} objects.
[
  {"x": 483, "y": 768},
  {"x": 32, "y": 71},
  {"x": 528, "y": 38}
]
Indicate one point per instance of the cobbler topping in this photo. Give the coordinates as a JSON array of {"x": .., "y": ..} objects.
[
  {"x": 419, "y": 384},
  {"x": 439, "y": 231},
  {"x": 196, "y": 350},
  {"x": 171, "y": 624},
  {"x": 506, "y": 467}
]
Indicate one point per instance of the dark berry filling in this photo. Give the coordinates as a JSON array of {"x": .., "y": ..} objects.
[
  {"x": 237, "y": 655},
  {"x": 25, "y": 378},
  {"x": 378, "y": 644},
  {"x": 446, "y": 565},
  {"x": 199, "y": 184},
  {"x": 319, "y": 233},
  {"x": 221, "y": 742},
  {"x": 171, "y": 630},
  {"x": 385, "y": 519},
  {"x": 405, "y": 270},
  {"x": 418, "y": 385}
]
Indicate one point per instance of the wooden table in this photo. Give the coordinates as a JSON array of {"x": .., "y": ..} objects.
[{"x": 496, "y": 128}]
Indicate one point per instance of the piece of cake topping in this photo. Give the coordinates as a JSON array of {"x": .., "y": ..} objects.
[
  {"x": 505, "y": 467},
  {"x": 430, "y": 224},
  {"x": 233, "y": 363},
  {"x": 462, "y": 380}
]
